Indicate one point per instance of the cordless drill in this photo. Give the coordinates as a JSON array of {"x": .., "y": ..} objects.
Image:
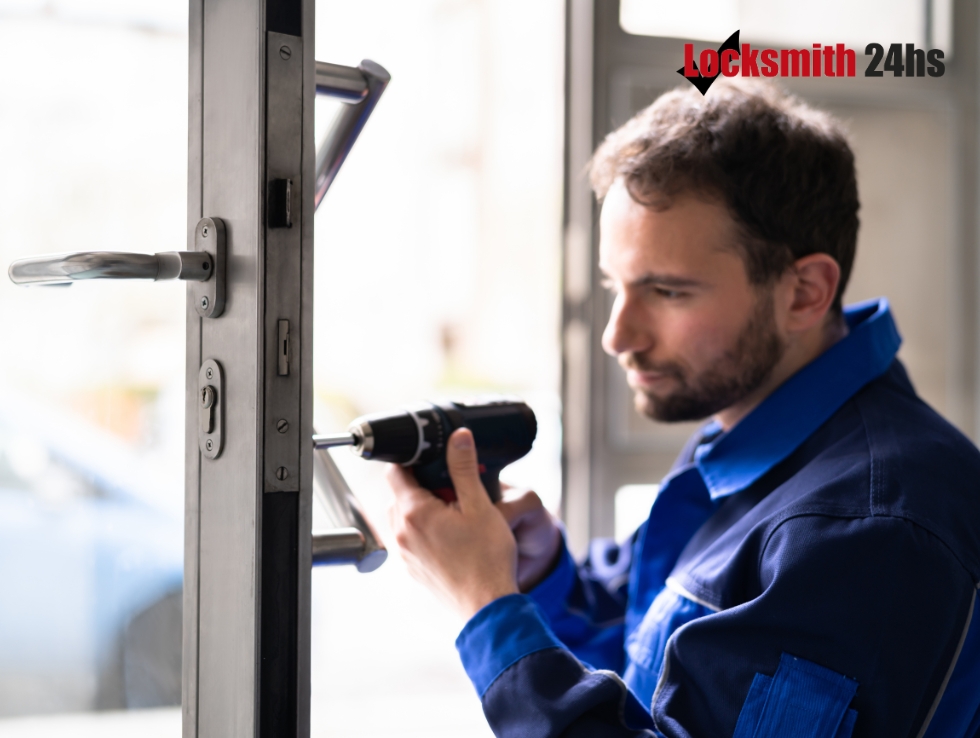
[{"x": 503, "y": 431}]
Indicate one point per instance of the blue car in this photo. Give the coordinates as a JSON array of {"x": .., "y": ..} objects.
[{"x": 91, "y": 568}]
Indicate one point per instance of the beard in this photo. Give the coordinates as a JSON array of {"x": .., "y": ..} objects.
[{"x": 738, "y": 372}]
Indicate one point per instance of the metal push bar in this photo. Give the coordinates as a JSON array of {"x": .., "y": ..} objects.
[
  {"x": 352, "y": 539},
  {"x": 360, "y": 88}
]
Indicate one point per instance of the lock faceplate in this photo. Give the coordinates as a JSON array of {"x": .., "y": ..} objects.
[{"x": 210, "y": 401}]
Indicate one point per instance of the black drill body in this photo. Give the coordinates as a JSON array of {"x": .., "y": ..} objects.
[{"x": 503, "y": 431}]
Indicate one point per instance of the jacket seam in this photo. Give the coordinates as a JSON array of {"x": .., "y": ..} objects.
[
  {"x": 691, "y": 581},
  {"x": 701, "y": 597},
  {"x": 904, "y": 518},
  {"x": 877, "y": 482},
  {"x": 874, "y": 470},
  {"x": 949, "y": 672},
  {"x": 523, "y": 656},
  {"x": 623, "y": 696}
]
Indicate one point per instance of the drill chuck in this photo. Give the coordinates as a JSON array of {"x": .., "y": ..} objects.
[{"x": 503, "y": 431}]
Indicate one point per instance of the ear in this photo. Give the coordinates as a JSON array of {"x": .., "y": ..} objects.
[{"x": 813, "y": 282}]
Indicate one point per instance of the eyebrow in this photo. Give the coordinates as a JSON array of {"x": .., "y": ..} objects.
[{"x": 657, "y": 280}]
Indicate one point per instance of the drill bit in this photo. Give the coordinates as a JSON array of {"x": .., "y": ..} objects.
[{"x": 335, "y": 439}]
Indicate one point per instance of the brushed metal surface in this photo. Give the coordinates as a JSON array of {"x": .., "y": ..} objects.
[
  {"x": 340, "y": 137},
  {"x": 190, "y": 266},
  {"x": 283, "y": 262},
  {"x": 365, "y": 551},
  {"x": 226, "y": 176},
  {"x": 210, "y": 238},
  {"x": 210, "y": 433}
]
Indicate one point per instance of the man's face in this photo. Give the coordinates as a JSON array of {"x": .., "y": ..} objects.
[{"x": 694, "y": 336}]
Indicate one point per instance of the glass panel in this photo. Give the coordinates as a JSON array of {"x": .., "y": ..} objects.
[
  {"x": 438, "y": 275},
  {"x": 854, "y": 23},
  {"x": 93, "y": 151},
  {"x": 633, "y": 503}
]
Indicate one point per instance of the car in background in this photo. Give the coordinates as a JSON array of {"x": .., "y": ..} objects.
[{"x": 91, "y": 568}]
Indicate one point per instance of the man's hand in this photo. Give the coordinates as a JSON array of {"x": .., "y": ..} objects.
[
  {"x": 463, "y": 551},
  {"x": 538, "y": 537}
]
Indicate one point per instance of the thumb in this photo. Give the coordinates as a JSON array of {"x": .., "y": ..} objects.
[{"x": 464, "y": 469}]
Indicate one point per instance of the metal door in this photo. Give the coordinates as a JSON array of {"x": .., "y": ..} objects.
[{"x": 248, "y": 510}]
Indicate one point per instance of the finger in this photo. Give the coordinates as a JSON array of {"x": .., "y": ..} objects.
[
  {"x": 517, "y": 508},
  {"x": 464, "y": 469},
  {"x": 394, "y": 521},
  {"x": 408, "y": 494},
  {"x": 509, "y": 492}
]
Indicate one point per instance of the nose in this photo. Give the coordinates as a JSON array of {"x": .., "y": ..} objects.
[{"x": 628, "y": 329}]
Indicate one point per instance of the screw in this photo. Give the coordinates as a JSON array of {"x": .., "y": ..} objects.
[
  {"x": 204, "y": 303},
  {"x": 209, "y": 373},
  {"x": 209, "y": 444},
  {"x": 283, "y": 425},
  {"x": 281, "y": 473},
  {"x": 285, "y": 52},
  {"x": 204, "y": 231}
]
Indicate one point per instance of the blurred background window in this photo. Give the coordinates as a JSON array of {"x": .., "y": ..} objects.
[
  {"x": 93, "y": 148},
  {"x": 444, "y": 230},
  {"x": 927, "y": 23}
]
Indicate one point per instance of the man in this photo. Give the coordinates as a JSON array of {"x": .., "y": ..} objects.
[{"x": 810, "y": 566}]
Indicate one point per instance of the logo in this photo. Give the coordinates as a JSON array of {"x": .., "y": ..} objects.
[{"x": 732, "y": 59}]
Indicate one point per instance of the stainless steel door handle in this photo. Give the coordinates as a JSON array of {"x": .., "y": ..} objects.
[
  {"x": 352, "y": 540},
  {"x": 205, "y": 266},
  {"x": 360, "y": 87},
  {"x": 194, "y": 266}
]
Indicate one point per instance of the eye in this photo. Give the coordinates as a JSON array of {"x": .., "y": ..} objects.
[{"x": 660, "y": 292}]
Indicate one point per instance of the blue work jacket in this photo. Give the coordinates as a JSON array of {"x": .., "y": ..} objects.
[{"x": 811, "y": 573}]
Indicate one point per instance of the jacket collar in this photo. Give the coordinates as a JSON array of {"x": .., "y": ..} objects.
[{"x": 732, "y": 461}]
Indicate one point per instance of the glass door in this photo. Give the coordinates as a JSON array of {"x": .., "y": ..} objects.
[{"x": 93, "y": 142}]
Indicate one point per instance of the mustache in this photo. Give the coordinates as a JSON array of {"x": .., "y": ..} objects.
[{"x": 640, "y": 363}]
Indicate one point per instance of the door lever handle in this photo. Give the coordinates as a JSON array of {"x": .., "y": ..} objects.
[
  {"x": 352, "y": 540},
  {"x": 193, "y": 266},
  {"x": 205, "y": 266}
]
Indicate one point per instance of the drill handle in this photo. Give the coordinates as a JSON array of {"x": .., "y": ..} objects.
[
  {"x": 491, "y": 480},
  {"x": 435, "y": 477}
]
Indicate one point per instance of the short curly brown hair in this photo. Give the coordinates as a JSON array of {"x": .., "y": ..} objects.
[{"x": 784, "y": 170}]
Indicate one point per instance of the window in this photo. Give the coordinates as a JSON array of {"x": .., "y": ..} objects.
[
  {"x": 927, "y": 23},
  {"x": 93, "y": 151},
  {"x": 438, "y": 275}
]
